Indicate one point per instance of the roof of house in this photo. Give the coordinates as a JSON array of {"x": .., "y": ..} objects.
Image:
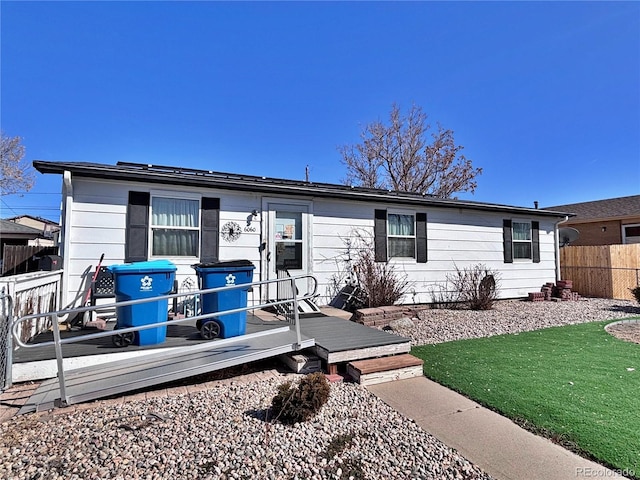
[
  {"x": 14, "y": 229},
  {"x": 33, "y": 217},
  {"x": 125, "y": 171},
  {"x": 611, "y": 208}
]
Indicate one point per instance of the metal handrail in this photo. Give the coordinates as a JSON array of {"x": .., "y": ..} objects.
[{"x": 58, "y": 341}]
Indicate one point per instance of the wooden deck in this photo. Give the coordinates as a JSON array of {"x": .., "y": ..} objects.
[{"x": 337, "y": 341}]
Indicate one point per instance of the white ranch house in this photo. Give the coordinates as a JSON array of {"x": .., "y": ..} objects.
[{"x": 135, "y": 212}]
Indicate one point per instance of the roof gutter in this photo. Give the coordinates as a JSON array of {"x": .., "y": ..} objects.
[{"x": 556, "y": 234}]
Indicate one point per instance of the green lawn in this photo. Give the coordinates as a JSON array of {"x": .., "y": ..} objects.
[{"x": 576, "y": 383}]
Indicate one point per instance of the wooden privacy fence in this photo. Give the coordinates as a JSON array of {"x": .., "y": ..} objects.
[
  {"x": 18, "y": 259},
  {"x": 603, "y": 271}
]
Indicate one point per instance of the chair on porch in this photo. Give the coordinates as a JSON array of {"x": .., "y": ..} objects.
[{"x": 103, "y": 286}]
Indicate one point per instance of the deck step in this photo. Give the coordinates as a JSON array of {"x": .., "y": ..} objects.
[
  {"x": 385, "y": 369},
  {"x": 301, "y": 363}
]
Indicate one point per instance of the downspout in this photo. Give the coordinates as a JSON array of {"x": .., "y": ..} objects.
[
  {"x": 67, "y": 207},
  {"x": 557, "y": 247}
]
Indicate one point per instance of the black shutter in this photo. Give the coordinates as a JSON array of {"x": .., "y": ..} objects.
[
  {"x": 209, "y": 244},
  {"x": 380, "y": 235},
  {"x": 507, "y": 241},
  {"x": 535, "y": 241},
  {"x": 421, "y": 237},
  {"x": 137, "y": 236}
]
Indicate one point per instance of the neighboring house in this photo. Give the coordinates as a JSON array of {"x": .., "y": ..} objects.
[
  {"x": 605, "y": 222},
  {"x": 135, "y": 212},
  {"x": 49, "y": 229},
  {"x": 14, "y": 234}
]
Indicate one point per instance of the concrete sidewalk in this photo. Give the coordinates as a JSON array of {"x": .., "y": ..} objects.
[{"x": 491, "y": 441}]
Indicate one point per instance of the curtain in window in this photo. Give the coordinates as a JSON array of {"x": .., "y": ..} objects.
[
  {"x": 171, "y": 243},
  {"x": 401, "y": 224},
  {"x": 402, "y": 247},
  {"x": 522, "y": 250},
  {"x": 521, "y": 240},
  {"x": 174, "y": 212},
  {"x": 521, "y": 231}
]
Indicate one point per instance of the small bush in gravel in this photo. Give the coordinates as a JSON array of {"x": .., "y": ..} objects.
[
  {"x": 477, "y": 286},
  {"x": 370, "y": 283},
  {"x": 474, "y": 287},
  {"x": 636, "y": 293},
  {"x": 299, "y": 403},
  {"x": 381, "y": 283},
  {"x": 441, "y": 298}
]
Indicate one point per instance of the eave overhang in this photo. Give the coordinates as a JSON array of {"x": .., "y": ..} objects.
[{"x": 176, "y": 176}]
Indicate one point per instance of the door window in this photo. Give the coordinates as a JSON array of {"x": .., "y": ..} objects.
[{"x": 288, "y": 240}]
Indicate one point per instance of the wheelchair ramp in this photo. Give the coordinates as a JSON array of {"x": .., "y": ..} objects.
[{"x": 114, "y": 378}]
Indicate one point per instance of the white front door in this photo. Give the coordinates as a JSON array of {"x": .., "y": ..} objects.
[{"x": 288, "y": 246}]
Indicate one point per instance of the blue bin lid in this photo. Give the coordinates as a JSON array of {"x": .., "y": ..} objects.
[
  {"x": 152, "y": 266},
  {"x": 225, "y": 264}
]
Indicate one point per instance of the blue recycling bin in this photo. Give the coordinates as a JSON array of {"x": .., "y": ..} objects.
[
  {"x": 222, "y": 274},
  {"x": 140, "y": 280}
]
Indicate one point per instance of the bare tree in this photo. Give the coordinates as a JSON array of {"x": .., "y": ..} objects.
[
  {"x": 398, "y": 156},
  {"x": 17, "y": 175}
]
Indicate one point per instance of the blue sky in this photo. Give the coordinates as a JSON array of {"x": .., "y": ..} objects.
[{"x": 544, "y": 96}]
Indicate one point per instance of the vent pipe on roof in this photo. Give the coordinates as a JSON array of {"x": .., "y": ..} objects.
[{"x": 535, "y": 204}]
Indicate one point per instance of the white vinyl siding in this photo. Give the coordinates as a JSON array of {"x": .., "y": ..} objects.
[{"x": 457, "y": 238}]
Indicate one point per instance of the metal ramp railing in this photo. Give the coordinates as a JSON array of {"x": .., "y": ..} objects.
[
  {"x": 114, "y": 378},
  {"x": 90, "y": 383},
  {"x": 287, "y": 289}
]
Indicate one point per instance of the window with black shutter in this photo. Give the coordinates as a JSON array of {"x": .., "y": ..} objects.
[
  {"x": 400, "y": 234},
  {"x": 167, "y": 226}
]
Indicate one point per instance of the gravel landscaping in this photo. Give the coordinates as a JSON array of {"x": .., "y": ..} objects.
[
  {"x": 222, "y": 432},
  {"x": 510, "y": 316}
]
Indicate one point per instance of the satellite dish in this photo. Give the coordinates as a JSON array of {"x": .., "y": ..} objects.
[{"x": 566, "y": 235}]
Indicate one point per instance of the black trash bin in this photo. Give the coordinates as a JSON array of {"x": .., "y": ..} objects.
[{"x": 221, "y": 274}]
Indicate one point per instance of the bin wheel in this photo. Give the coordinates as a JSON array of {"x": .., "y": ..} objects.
[
  {"x": 123, "y": 339},
  {"x": 210, "y": 330}
]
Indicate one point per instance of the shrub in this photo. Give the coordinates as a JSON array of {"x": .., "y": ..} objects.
[
  {"x": 442, "y": 298},
  {"x": 476, "y": 286},
  {"x": 370, "y": 283},
  {"x": 299, "y": 403},
  {"x": 636, "y": 293},
  {"x": 380, "y": 282}
]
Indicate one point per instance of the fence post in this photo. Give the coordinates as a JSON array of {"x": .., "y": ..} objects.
[{"x": 6, "y": 339}]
